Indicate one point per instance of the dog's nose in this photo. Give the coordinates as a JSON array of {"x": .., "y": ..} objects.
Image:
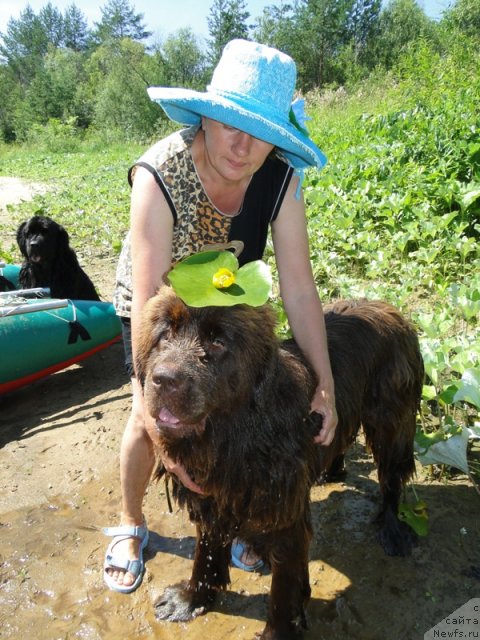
[{"x": 167, "y": 378}]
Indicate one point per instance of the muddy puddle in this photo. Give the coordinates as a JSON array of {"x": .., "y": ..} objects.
[{"x": 59, "y": 486}]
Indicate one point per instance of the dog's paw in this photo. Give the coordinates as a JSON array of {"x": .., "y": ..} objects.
[
  {"x": 180, "y": 604},
  {"x": 396, "y": 538},
  {"x": 285, "y": 630},
  {"x": 268, "y": 633}
]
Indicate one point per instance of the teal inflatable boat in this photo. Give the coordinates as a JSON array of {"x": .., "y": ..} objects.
[{"x": 42, "y": 335}]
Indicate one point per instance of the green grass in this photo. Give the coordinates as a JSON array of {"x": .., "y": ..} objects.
[
  {"x": 397, "y": 209},
  {"x": 89, "y": 190}
]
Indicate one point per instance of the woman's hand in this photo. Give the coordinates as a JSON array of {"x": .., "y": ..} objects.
[
  {"x": 324, "y": 404},
  {"x": 179, "y": 470}
]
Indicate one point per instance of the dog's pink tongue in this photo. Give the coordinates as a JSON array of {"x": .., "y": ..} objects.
[{"x": 166, "y": 416}]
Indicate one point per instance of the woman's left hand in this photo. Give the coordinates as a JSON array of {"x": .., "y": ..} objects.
[{"x": 324, "y": 404}]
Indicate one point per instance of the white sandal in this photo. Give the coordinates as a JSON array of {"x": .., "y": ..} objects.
[{"x": 112, "y": 561}]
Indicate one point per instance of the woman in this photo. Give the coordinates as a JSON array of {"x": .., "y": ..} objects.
[{"x": 227, "y": 178}]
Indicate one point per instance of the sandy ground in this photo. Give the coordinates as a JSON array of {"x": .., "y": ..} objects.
[
  {"x": 59, "y": 443},
  {"x": 13, "y": 191}
]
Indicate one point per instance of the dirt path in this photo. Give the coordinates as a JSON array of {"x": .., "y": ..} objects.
[
  {"x": 59, "y": 443},
  {"x": 13, "y": 191}
]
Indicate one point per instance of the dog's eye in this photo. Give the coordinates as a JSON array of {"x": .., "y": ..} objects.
[
  {"x": 161, "y": 336},
  {"x": 215, "y": 345}
]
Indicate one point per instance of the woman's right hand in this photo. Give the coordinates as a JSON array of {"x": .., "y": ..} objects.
[{"x": 179, "y": 470}]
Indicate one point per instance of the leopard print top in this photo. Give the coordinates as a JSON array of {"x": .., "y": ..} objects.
[{"x": 197, "y": 223}]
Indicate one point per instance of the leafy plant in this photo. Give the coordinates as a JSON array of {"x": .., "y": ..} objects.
[{"x": 451, "y": 355}]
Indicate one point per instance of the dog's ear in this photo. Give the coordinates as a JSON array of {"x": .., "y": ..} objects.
[
  {"x": 267, "y": 375},
  {"x": 63, "y": 241},
  {"x": 147, "y": 338},
  {"x": 21, "y": 239},
  {"x": 157, "y": 316},
  {"x": 264, "y": 347}
]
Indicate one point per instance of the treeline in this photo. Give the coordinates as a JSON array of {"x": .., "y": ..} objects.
[{"x": 57, "y": 71}]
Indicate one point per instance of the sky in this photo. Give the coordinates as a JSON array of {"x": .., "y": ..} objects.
[{"x": 162, "y": 17}]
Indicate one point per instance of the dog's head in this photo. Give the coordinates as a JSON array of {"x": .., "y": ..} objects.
[
  {"x": 199, "y": 362},
  {"x": 41, "y": 240}
]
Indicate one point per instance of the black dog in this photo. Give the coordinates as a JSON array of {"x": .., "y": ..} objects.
[
  {"x": 49, "y": 261},
  {"x": 5, "y": 284},
  {"x": 231, "y": 405}
]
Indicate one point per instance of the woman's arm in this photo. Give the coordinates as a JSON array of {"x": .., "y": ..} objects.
[
  {"x": 302, "y": 303},
  {"x": 151, "y": 229},
  {"x": 151, "y": 232}
]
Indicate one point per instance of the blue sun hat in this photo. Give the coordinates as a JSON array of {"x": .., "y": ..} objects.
[{"x": 252, "y": 89}]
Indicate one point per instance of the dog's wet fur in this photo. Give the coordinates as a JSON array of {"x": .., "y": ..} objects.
[{"x": 232, "y": 404}]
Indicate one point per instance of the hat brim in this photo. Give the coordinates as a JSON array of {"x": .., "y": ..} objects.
[{"x": 187, "y": 106}]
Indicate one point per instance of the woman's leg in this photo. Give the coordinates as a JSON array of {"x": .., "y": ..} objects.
[
  {"x": 247, "y": 557},
  {"x": 137, "y": 460}
]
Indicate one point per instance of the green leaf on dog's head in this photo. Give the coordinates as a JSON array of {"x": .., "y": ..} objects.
[{"x": 214, "y": 279}]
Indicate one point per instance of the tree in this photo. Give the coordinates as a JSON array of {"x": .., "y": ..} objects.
[
  {"x": 328, "y": 39},
  {"x": 52, "y": 22},
  {"x": 465, "y": 16},
  {"x": 227, "y": 20},
  {"x": 276, "y": 27},
  {"x": 24, "y": 45},
  {"x": 53, "y": 91},
  {"x": 119, "y": 20},
  {"x": 184, "y": 61},
  {"x": 75, "y": 29},
  {"x": 321, "y": 34},
  {"x": 9, "y": 90},
  {"x": 120, "y": 99},
  {"x": 400, "y": 23},
  {"x": 362, "y": 18}
]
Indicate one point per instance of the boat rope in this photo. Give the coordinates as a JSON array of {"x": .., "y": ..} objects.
[
  {"x": 77, "y": 330},
  {"x": 21, "y": 306},
  {"x": 74, "y": 309}
]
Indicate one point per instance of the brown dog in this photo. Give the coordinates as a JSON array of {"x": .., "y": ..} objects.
[{"x": 232, "y": 405}]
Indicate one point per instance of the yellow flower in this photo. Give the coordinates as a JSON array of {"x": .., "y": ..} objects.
[
  {"x": 223, "y": 279},
  {"x": 420, "y": 509}
]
